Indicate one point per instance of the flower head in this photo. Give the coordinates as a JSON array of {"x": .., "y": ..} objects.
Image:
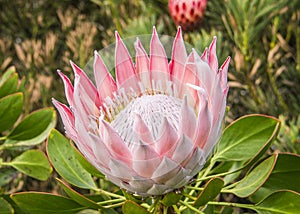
[
  {"x": 151, "y": 130},
  {"x": 187, "y": 13}
]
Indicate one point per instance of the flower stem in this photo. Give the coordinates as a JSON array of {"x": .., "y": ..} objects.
[
  {"x": 110, "y": 194},
  {"x": 222, "y": 174},
  {"x": 177, "y": 211},
  {"x": 113, "y": 205},
  {"x": 207, "y": 170},
  {"x": 229, "y": 204},
  {"x": 190, "y": 207},
  {"x": 110, "y": 201},
  {"x": 154, "y": 205}
]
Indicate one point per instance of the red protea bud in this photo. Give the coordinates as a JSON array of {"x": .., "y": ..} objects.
[{"x": 187, "y": 13}]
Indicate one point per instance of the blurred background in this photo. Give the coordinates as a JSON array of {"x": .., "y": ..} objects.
[{"x": 261, "y": 36}]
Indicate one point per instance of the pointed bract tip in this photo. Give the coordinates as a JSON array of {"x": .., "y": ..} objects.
[
  {"x": 118, "y": 38},
  {"x": 179, "y": 33},
  {"x": 75, "y": 68},
  {"x": 96, "y": 53},
  {"x": 55, "y": 102},
  {"x": 60, "y": 73},
  {"x": 137, "y": 42},
  {"x": 226, "y": 63},
  {"x": 213, "y": 43},
  {"x": 154, "y": 32}
]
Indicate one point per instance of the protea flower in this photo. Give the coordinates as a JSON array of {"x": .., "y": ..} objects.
[
  {"x": 152, "y": 129},
  {"x": 187, "y": 13}
]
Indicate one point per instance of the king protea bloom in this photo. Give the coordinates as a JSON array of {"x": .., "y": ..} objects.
[{"x": 152, "y": 129}]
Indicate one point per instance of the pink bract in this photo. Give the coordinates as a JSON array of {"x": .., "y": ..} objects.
[{"x": 152, "y": 129}]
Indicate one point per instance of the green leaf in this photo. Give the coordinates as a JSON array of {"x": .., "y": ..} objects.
[
  {"x": 63, "y": 158},
  {"x": 10, "y": 71},
  {"x": 130, "y": 207},
  {"x": 33, "y": 163},
  {"x": 80, "y": 199},
  {"x": 279, "y": 202},
  {"x": 10, "y": 110},
  {"x": 7, "y": 175},
  {"x": 285, "y": 175},
  {"x": 9, "y": 86},
  {"x": 246, "y": 137},
  {"x": 170, "y": 199},
  {"x": 34, "y": 125},
  {"x": 231, "y": 177},
  {"x": 5, "y": 207},
  {"x": 211, "y": 189},
  {"x": 86, "y": 165},
  {"x": 255, "y": 179},
  {"x": 37, "y": 203},
  {"x": 209, "y": 209}
]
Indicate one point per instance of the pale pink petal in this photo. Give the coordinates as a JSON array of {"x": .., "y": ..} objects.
[
  {"x": 188, "y": 121},
  {"x": 87, "y": 84},
  {"x": 191, "y": 77},
  {"x": 204, "y": 55},
  {"x": 196, "y": 161},
  {"x": 120, "y": 170},
  {"x": 145, "y": 160},
  {"x": 204, "y": 122},
  {"x": 179, "y": 57},
  {"x": 159, "y": 67},
  {"x": 125, "y": 72},
  {"x": 67, "y": 119},
  {"x": 84, "y": 105},
  {"x": 183, "y": 150},
  {"x": 166, "y": 143},
  {"x": 101, "y": 152},
  {"x": 223, "y": 73},
  {"x": 212, "y": 55},
  {"x": 104, "y": 81},
  {"x": 214, "y": 136},
  {"x": 69, "y": 90},
  {"x": 139, "y": 184},
  {"x": 114, "y": 143},
  {"x": 166, "y": 170},
  {"x": 206, "y": 76},
  {"x": 158, "y": 189},
  {"x": 180, "y": 179},
  {"x": 142, "y": 64},
  {"x": 141, "y": 131},
  {"x": 83, "y": 142}
]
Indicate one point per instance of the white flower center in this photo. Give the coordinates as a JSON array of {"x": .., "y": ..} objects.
[{"x": 152, "y": 109}]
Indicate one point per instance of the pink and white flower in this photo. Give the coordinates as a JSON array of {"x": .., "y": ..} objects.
[{"x": 152, "y": 129}]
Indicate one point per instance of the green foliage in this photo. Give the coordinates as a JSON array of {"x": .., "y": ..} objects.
[
  {"x": 5, "y": 207},
  {"x": 77, "y": 197},
  {"x": 132, "y": 207},
  {"x": 251, "y": 135},
  {"x": 33, "y": 202},
  {"x": 33, "y": 163},
  {"x": 210, "y": 191},
  {"x": 252, "y": 181},
  {"x": 18, "y": 134},
  {"x": 63, "y": 158},
  {"x": 262, "y": 178}
]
